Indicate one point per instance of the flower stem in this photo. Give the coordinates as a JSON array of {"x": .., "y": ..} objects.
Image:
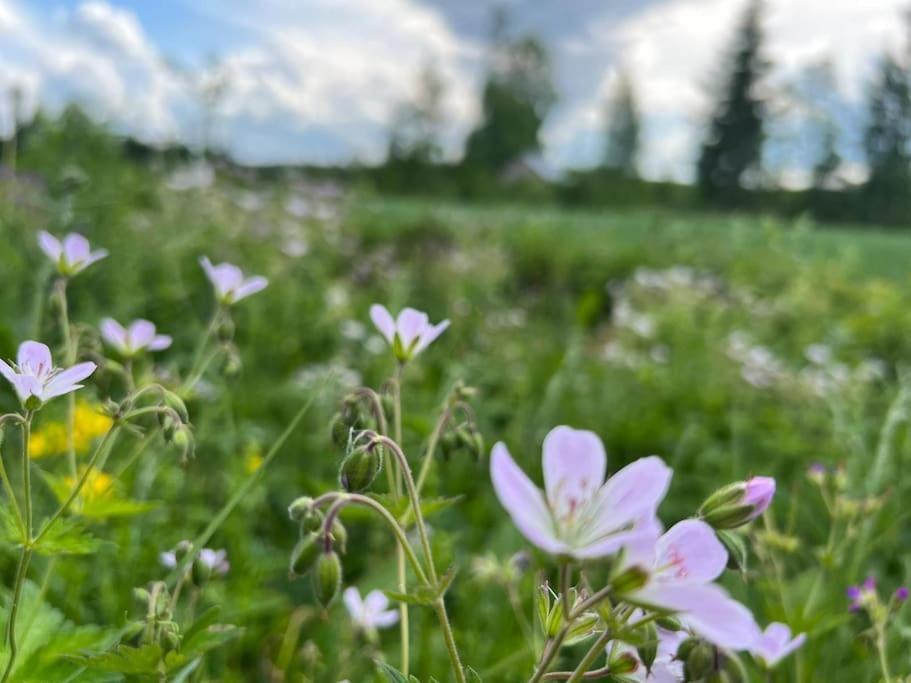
[
  {"x": 440, "y": 608},
  {"x": 595, "y": 651},
  {"x": 432, "y": 446},
  {"x": 69, "y": 357},
  {"x": 26, "y": 555},
  {"x": 881, "y": 651},
  {"x": 396, "y": 484},
  {"x": 552, "y": 646}
]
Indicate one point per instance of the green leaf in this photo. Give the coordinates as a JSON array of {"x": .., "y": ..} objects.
[
  {"x": 738, "y": 554},
  {"x": 421, "y": 597},
  {"x": 429, "y": 506},
  {"x": 392, "y": 674},
  {"x": 67, "y": 537}
]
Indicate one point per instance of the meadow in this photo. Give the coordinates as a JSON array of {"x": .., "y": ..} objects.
[{"x": 730, "y": 346}]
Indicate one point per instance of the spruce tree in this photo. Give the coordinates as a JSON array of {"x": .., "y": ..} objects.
[
  {"x": 623, "y": 129},
  {"x": 733, "y": 146}
]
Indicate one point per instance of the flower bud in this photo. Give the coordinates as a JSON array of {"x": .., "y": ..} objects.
[
  {"x": 175, "y": 403},
  {"x": 669, "y": 623},
  {"x": 142, "y": 595},
  {"x": 542, "y": 605},
  {"x": 185, "y": 444},
  {"x": 621, "y": 662},
  {"x": 225, "y": 329},
  {"x": 699, "y": 662},
  {"x": 359, "y": 469},
  {"x": 583, "y": 627},
  {"x": 327, "y": 577},
  {"x": 629, "y": 580},
  {"x": 302, "y": 511},
  {"x": 737, "y": 504},
  {"x": 648, "y": 650},
  {"x": 304, "y": 554},
  {"x": 339, "y": 536}
]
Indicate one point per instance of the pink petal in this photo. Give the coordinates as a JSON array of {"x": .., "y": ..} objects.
[
  {"x": 255, "y": 284},
  {"x": 385, "y": 618},
  {"x": 66, "y": 381},
  {"x": 635, "y": 491},
  {"x": 410, "y": 325},
  {"x": 113, "y": 333},
  {"x": 160, "y": 343},
  {"x": 708, "y": 610},
  {"x": 50, "y": 245},
  {"x": 352, "y": 599},
  {"x": 7, "y": 371},
  {"x": 76, "y": 248},
  {"x": 613, "y": 543},
  {"x": 691, "y": 552},
  {"x": 34, "y": 358},
  {"x": 376, "y": 601},
  {"x": 574, "y": 463},
  {"x": 140, "y": 334},
  {"x": 26, "y": 386},
  {"x": 384, "y": 322},
  {"x": 775, "y": 643},
  {"x": 430, "y": 335},
  {"x": 523, "y": 501}
]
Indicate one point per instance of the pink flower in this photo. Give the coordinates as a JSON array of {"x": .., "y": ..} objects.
[
  {"x": 758, "y": 494},
  {"x": 35, "y": 378},
  {"x": 776, "y": 643},
  {"x": 229, "y": 282},
  {"x": 371, "y": 612},
  {"x": 71, "y": 256},
  {"x": 139, "y": 336},
  {"x": 581, "y": 515},
  {"x": 682, "y": 566},
  {"x": 409, "y": 334}
]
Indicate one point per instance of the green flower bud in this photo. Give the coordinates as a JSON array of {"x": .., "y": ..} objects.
[
  {"x": 171, "y": 641},
  {"x": 339, "y": 536},
  {"x": 629, "y": 580},
  {"x": 32, "y": 403},
  {"x": 582, "y": 628},
  {"x": 700, "y": 662},
  {"x": 225, "y": 329},
  {"x": 648, "y": 650},
  {"x": 726, "y": 495},
  {"x": 554, "y": 621},
  {"x": 327, "y": 577},
  {"x": 622, "y": 662},
  {"x": 669, "y": 623},
  {"x": 304, "y": 554},
  {"x": 359, "y": 469},
  {"x": 142, "y": 595},
  {"x": 302, "y": 511},
  {"x": 542, "y": 605},
  {"x": 729, "y": 516},
  {"x": 185, "y": 444},
  {"x": 175, "y": 403}
]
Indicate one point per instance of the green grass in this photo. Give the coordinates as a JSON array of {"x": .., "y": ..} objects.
[{"x": 532, "y": 311}]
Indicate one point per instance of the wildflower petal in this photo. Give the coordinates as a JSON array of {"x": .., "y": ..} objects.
[
  {"x": 352, "y": 599},
  {"x": 574, "y": 464},
  {"x": 66, "y": 381},
  {"x": 776, "y": 643},
  {"x": 376, "y": 601},
  {"x": 34, "y": 358},
  {"x": 252, "y": 285},
  {"x": 385, "y": 618},
  {"x": 160, "y": 342},
  {"x": 383, "y": 320},
  {"x": 636, "y": 537},
  {"x": 76, "y": 249},
  {"x": 708, "y": 610},
  {"x": 635, "y": 490},
  {"x": 430, "y": 335},
  {"x": 410, "y": 325},
  {"x": 113, "y": 333},
  {"x": 50, "y": 245},
  {"x": 523, "y": 501},
  {"x": 692, "y": 552},
  {"x": 140, "y": 334},
  {"x": 7, "y": 371}
]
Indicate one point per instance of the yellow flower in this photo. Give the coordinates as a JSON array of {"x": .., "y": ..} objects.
[
  {"x": 89, "y": 424},
  {"x": 98, "y": 485},
  {"x": 253, "y": 458}
]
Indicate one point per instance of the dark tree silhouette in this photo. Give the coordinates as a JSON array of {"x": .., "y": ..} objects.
[{"x": 623, "y": 129}]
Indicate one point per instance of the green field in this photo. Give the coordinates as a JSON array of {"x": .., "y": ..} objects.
[{"x": 680, "y": 335}]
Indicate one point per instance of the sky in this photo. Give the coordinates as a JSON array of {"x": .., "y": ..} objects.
[{"x": 320, "y": 80}]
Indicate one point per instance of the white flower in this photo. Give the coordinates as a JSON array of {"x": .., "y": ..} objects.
[
  {"x": 371, "y": 612},
  {"x": 35, "y": 378},
  {"x": 409, "y": 334},
  {"x": 72, "y": 255},
  {"x": 139, "y": 336},
  {"x": 229, "y": 282}
]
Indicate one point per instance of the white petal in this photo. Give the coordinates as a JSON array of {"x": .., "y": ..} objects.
[
  {"x": 113, "y": 333},
  {"x": 691, "y": 552},
  {"x": 383, "y": 320},
  {"x": 34, "y": 358},
  {"x": 50, "y": 245},
  {"x": 574, "y": 463}
]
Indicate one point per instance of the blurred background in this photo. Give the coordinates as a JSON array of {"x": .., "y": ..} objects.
[{"x": 678, "y": 223}]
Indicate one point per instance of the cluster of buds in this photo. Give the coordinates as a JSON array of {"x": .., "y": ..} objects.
[
  {"x": 462, "y": 436},
  {"x": 316, "y": 549},
  {"x": 157, "y": 625},
  {"x": 549, "y": 608},
  {"x": 702, "y": 661},
  {"x": 738, "y": 504},
  {"x": 175, "y": 425},
  {"x": 349, "y": 421},
  {"x": 866, "y": 598}
]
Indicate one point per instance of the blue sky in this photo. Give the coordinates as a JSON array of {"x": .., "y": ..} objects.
[{"x": 319, "y": 80}]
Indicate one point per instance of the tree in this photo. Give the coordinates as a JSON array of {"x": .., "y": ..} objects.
[
  {"x": 887, "y": 142},
  {"x": 623, "y": 129},
  {"x": 418, "y": 124},
  {"x": 517, "y": 96},
  {"x": 733, "y": 146}
]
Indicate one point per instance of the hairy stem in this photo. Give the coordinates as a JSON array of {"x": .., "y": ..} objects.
[
  {"x": 595, "y": 651},
  {"x": 69, "y": 357},
  {"x": 440, "y": 608}
]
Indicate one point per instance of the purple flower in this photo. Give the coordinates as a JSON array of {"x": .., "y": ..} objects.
[
  {"x": 581, "y": 515},
  {"x": 409, "y": 334},
  {"x": 371, "y": 612},
  {"x": 776, "y": 643},
  {"x": 139, "y": 336},
  {"x": 861, "y": 595},
  {"x": 71, "y": 256},
  {"x": 215, "y": 560},
  {"x": 901, "y": 593},
  {"x": 35, "y": 378},
  {"x": 229, "y": 282},
  {"x": 759, "y": 493},
  {"x": 682, "y": 566}
]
